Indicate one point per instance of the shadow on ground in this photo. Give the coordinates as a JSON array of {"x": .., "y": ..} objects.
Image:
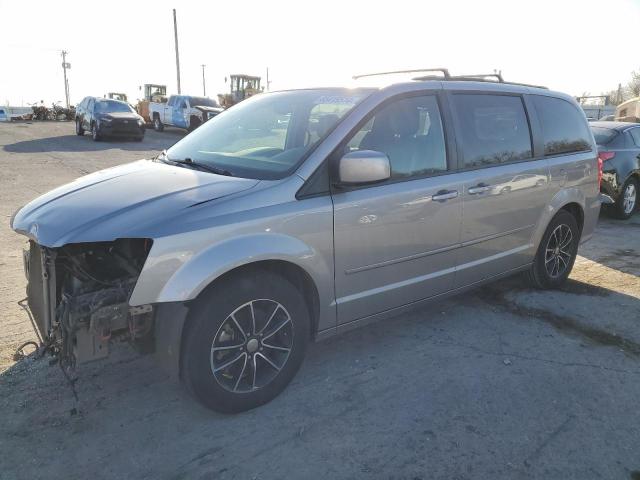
[{"x": 484, "y": 383}]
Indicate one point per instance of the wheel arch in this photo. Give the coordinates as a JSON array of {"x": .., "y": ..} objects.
[
  {"x": 569, "y": 199},
  {"x": 292, "y": 272}
]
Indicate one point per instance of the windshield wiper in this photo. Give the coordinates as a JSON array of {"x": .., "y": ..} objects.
[{"x": 207, "y": 168}]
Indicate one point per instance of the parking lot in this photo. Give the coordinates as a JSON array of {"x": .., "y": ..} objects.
[{"x": 502, "y": 382}]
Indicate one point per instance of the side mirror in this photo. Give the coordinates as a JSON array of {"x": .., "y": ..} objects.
[{"x": 364, "y": 166}]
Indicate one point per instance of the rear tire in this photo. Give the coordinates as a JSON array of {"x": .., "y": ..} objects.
[
  {"x": 556, "y": 253},
  {"x": 193, "y": 124},
  {"x": 157, "y": 124},
  {"x": 627, "y": 202},
  {"x": 244, "y": 341}
]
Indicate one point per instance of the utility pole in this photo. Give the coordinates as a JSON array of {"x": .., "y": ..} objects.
[
  {"x": 65, "y": 65},
  {"x": 268, "y": 81},
  {"x": 175, "y": 31},
  {"x": 204, "y": 86}
]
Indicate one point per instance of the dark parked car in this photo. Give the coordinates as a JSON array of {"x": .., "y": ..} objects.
[
  {"x": 619, "y": 151},
  {"x": 107, "y": 118}
]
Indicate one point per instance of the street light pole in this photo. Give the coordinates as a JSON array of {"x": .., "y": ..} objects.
[
  {"x": 204, "y": 86},
  {"x": 65, "y": 65},
  {"x": 175, "y": 32}
]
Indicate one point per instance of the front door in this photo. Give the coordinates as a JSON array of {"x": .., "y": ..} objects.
[
  {"x": 395, "y": 243},
  {"x": 504, "y": 188}
]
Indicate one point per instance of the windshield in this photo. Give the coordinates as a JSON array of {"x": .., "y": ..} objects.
[
  {"x": 202, "y": 102},
  {"x": 603, "y": 135},
  {"x": 109, "y": 106},
  {"x": 268, "y": 135}
]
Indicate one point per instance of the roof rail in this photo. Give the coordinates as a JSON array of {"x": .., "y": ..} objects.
[
  {"x": 444, "y": 71},
  {"x": 476, "y": 77},
  {"x": 485, "y": 76},
  {"x": 480, "y": 78}
]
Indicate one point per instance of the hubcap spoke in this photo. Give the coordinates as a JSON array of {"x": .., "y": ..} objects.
[
  {"x": 244, "y": 335},
  {"x": 274, "y": 347},
  {"x": 266, "y": 325},
  {"x": 244, "y": 366},
  {"x": 230, "y": 362},
  {"x": 255, "y": 373},
  {"x": 253, "y": 318},
  {"x": 264, "y": 357},
  {"x": 227, "y": 347},
  {"x": 278, "y": 328}
]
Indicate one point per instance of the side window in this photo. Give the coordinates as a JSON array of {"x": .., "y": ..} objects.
[
  {"x": 635, "y": 134},
  {"x": 564, "y": 128},
  {"x": 90, "y": 105},
  {"x": 493, "y": 129},
  {"x": 172, "y": 101},
  {"x": 409, "y": 131}
]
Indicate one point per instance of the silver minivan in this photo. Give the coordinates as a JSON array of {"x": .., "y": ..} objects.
[{"x": 297, "y": 215}]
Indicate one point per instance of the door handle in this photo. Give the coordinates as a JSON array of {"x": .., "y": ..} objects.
[
  {"x": 443, "y": 195},
  {"x": 480, "y": 188}
]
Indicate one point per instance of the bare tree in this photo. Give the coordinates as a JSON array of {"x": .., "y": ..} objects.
[{"x": 633, "y": 87}]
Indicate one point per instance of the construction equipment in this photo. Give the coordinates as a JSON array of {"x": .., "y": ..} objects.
[
  {"x": 117, "y": 96},
  {"x": 242, "y": 86},
  {"x": 152, "y": 93}
]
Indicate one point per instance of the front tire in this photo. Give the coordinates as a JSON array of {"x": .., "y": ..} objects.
[
  {"x": 79, "y": 129},
  {"x": 556, "y": 253},
  {"x": 245, "y": 341},
  {"x": 95, "y": 135}
]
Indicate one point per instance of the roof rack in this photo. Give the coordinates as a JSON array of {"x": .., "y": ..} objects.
[
  {"x": 444, "y": 71},
  {"x": 476, "y": 77}
]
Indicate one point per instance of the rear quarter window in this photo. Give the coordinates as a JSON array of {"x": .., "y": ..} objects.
[{"x": 564, "y": 128}]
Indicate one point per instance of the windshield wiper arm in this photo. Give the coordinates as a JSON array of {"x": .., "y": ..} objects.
[{"x": 208, "y": 168}]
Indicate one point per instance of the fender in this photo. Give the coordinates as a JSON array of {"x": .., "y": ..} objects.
[
  {"x": 590, "y": 208},
  {"x": 199, "y": 270}
]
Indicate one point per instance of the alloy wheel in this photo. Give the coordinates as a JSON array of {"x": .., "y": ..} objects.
[
  {"x": 252, "y": 346},
  {"x": 629, "y": 198},
  {"x": 557, "y": 256}
]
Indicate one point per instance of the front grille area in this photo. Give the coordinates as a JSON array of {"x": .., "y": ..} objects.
[
  {"x": 119, "y": 126},
  {"x": 35, "y": 289}
]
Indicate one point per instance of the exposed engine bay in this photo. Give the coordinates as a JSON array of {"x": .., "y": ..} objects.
[{"x": 79, "y": 297}]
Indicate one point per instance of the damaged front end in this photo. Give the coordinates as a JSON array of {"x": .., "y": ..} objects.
[{"x": 79, "y": 297}]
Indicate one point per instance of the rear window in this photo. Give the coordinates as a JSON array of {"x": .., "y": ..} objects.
[
  {"x": 603, "y": 135},
  {"x": 563, "y": 126},
  {"x": 494, "y": 129}
]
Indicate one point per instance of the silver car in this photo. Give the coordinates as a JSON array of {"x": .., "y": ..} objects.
[{"x": 297, "y": 215}]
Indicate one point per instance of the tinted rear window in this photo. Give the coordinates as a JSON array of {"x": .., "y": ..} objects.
[
  {"x": 563, "y": 126},
  {"x": 603, "y": 135},
  {"x": 494, "y": 129}
]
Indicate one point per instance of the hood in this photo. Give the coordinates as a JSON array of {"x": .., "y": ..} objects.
[
  {"x": 120, "y": 202},
  {"x": 117, "y": 115}
]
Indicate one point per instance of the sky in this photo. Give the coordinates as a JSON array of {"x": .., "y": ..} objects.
[{"x": 118, "y": 46}]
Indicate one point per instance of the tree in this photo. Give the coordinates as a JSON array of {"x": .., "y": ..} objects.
[{"x": 633, "y": 87}]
